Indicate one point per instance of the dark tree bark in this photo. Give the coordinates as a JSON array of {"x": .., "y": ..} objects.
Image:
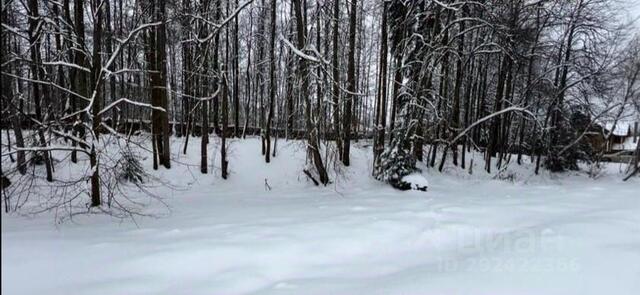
[
  {"x": 313, "y": 148},
  {"x": 204, "y": 89},
  {"x": 351, "y": 81},
  {"x": 7, "y": 92},
  {"x": 157, "y": 57},
  {"x": 496, "y": 122},
  {"x": 37, "y": 72},
  {"x": 96, "y": 83},
  {"x": 381, "y": 107},
  {"x": 224, "y": 164},
  {"x": 79, "y": 80},
  {"x": 455, "y": 112},
  {"x": 248, "y": 94},
  {"x": 272, "y": 79},
  {"x": 335, "y": 66},
  {"x": 187, "y": 80}
]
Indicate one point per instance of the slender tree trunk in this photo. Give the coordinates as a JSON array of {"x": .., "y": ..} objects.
[
  {"x": 335, "y": 66},
  {"x": 34, "y": 41},
  {"x": 78, "y": 79},
  {"x": 313, "y": 148},
  {"x": 247, "y": 91},
  {"x": 236, "y": 86},
  {"x": 17, "y": 131},
  {"x": 319, "y": 76},
  {"x": 506, "y": 121},
  {"x": 165, "y": 156},
  {"x": 187, "y": 81},
  {"x": 272, "y": 79},
  {"x": 381, "y": 105},
  {"x": 455, "y": 112},
  {"x": 158, "y": 81},
  {"x": 397, "y": 84},
  {"x": 96, "y": 83},
  {"x": 351, "y": 81},
  {"x": 8, "y": 94},
  {"x": 224, "y": 164},
  {"x": 496, "y": 122},
  {"x": 527, "y": 93},
  {"x": 444, "y": 93}
]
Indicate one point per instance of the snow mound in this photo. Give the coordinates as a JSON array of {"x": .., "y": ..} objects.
[{"x": 416, "y": 181}]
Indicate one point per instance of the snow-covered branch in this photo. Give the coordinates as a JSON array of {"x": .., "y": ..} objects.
[
  {"x": 126, "y": 100},
  {"x": 217, "y": 28},
  {"x": 297, "y": 51},
  {"x": 483, "y": 119},
  {"x": 66, "y": 64}
]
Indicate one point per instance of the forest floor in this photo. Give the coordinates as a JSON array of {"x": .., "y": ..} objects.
[{"x": 469, "y": 234}]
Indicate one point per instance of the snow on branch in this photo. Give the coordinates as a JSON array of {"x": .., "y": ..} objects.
[
  {"x": 66, "y": 64},
  {"x": 113, "y": 104},
  {"x": 14, "y": 31},
  {"x": 446, "y": 6},
  {"x": 317, "y": 53},
  {"x": 215, "y": 94},
  {"x": 476, "y": 123},
  {"x": 104, "y": 71},
  {"x": 126, "y": 40},
  {"x": 122, "y": 71},
  {"x": 297, "y": 51},
  {"x": 48, "y": 83},
  {"x": 233, "y": 15}
]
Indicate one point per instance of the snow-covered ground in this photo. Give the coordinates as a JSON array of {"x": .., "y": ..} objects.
[{"x": 469, "y": 234}]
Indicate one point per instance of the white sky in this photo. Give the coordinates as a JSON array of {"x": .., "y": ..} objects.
[{"x": 635, "y": 9}]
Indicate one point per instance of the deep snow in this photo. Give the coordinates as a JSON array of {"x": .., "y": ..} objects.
[{"x": 469, "y": 234}]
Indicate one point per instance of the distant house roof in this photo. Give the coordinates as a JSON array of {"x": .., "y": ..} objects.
[{"x": 622, "y": 127}]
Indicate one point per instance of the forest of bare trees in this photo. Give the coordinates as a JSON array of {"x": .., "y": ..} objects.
[{"x": 427, "y": 81}]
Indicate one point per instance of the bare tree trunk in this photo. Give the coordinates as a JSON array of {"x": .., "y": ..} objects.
[
  {"x": 78, "y": 80},
  {"x": 205, "y": 137},
  {"x": 97, "y": 102},
  {"x": 636, "y": 161},
  {"x": 506, "y": 121},
  {"x": 8, "y": 95},
  {"x": 455, "y": 113},
  {"x": 313, "y": 148},
  {"x": 351, "y": 80},
  {"x": 397, "y": 84},
  {"x": 158, "y": 81},
  {"x": 34, "y": 41},
  {"x": 236, "y": 86},
  {"x": 272, "y": 80},
  {"x": 247, "y": 108},
  {"x": 505, "y": 67},
  {"x": 381, "y": 107},
  {"x": 225, "y": 121},
  {"x": 187, "y": 81},
  {"x": 165, "y": 155},
  {"x": 109, "y": 38},
  {"x": 444, "y": 93},
  {"x": 319, "y": 76},
  {"x": 17, "y": 131},
  {"x": 335, "y": 65},
  {"x": 527, "y": 93},
  {"x": 467, "y": 106}
]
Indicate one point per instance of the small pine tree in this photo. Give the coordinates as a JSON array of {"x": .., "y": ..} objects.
[
  {"x": 396, "y": 162},
  {"x": 130, "y": 168}
]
